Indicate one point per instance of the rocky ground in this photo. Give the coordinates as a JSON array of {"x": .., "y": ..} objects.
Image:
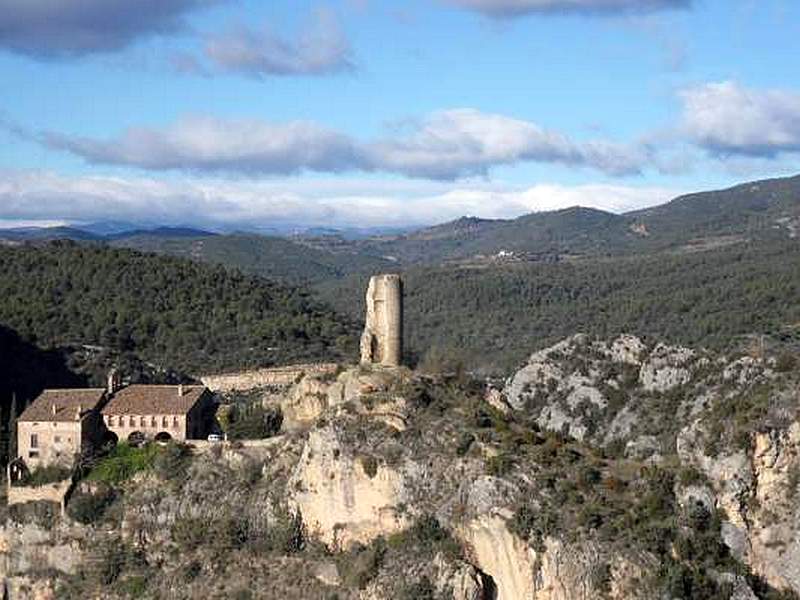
[{"x": 602, "y": 469}]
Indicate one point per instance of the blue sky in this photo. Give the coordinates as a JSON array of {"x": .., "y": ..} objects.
[{"x": 234, "y": 113}]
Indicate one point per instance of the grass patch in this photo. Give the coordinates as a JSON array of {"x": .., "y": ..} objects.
[{"x": 123, "y": 462}]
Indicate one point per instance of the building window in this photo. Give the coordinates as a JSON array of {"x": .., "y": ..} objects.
[
  {"x": 34, "y": 440},
  {"x": 142, "y": 422},
  {"x": 58, "y": 439},
  {"x": 110, "y": 421},
  {"x": 132, "y": 422},
  {"x": 174, "y": 422},
  {"x": 163, "y": 421},
  {"x": 33, "y": 454}
]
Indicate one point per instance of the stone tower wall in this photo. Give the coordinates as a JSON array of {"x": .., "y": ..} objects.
[{"x": 382, "y": 341}]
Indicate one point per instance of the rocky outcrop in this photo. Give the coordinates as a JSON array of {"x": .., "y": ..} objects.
[
  {"x": 507, "y": 559},
  {"x": 757, "y": 490},
  {"x": 345, "y": 498},
  {"x": 29, "y": 548},
  {"x": 366, "y": 389}
]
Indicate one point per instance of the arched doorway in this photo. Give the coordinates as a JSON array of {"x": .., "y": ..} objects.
[
  {"x": 163, "y": 437},
  {"x": 136, "y": 438}
]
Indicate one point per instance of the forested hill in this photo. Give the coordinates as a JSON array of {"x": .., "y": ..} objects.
[
  {"x": 492, "y": 317},
  {"x": 174, "y": 313},
  {"x": 271, "y": 257},
  {"x": 759, "y": 210}
]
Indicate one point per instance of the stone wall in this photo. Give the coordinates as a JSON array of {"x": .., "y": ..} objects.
[
  {"x": 50, "y": 492},
  {"x": 278, "y": 376},
  {"x": 57, "y": 442}
]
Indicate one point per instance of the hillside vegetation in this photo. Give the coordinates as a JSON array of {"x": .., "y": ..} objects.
[
  {"x": 489, "y": 318},
  {"x": 762, "y": 210},
  {"x": 175, "y": 313},
  {"x": 271, "y": 257}
]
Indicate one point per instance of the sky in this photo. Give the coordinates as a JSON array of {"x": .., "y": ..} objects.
[{"x": 244, "y": 114}]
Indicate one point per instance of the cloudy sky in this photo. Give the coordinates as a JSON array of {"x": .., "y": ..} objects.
[{"x": 239, "y": 113}]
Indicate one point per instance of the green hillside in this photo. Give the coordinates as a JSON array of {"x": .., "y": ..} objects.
[
  {"x": 174, "y": 313},
  {"x": 271, "y": 257},
  {"x": 493, "y": 317},
  {"x": 762, "y": 210}
]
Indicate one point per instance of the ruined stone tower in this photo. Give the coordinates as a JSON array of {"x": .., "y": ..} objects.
[{"x": 382, "y": 340}]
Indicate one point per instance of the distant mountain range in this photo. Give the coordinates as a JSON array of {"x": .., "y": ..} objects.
[{"x": 761, "y": 210}]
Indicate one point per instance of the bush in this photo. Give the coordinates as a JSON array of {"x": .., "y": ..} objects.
[
  {"x": 123, "y": 462},
  {"x": 45, "y": 475},
  {"x": 499, "y": 465},
  {"x": 370, "y": 465},
  {"x": 172, "y": 461},
  {"x": 427, "y": 537},
  {"x": 88, "y": 507},
  {"x": 464, "y": 443},
  {"x": 421, "y": 590},
  {"x": 361, "y": 564},
  {"x": 253, "y": 422}
]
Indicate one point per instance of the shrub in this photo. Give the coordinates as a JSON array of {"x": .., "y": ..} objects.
[
  {"x": 254, "y": 422},
  {"x": 123, "y": 462},
  {"x": 361, "y": 564},
  {"x": 173, "y": 461},
  {"x": 499, "y": 465},
  {"x": 785, "y": 362},
  {"x": 430, "y": 537},
  {"x": 464, "y": 443},
  {"x": 370, "y": 465},
  {"x": 600, "y": 578},
  {"x": 88, "y": 507},
  {"x": 133, "y": 586},
  {"x": 421, "y": 590},
  {"x": 189, "y": 532},
  {"x": 45, "y": 475}
]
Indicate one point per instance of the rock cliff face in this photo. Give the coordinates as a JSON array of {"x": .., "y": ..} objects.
[
  {"x": 602, "y": 470},
  {"x": 345, "y": 498}
]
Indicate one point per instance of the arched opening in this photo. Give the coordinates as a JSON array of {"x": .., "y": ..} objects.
[
  {"x": 163, "y": 437},
  {"x": 110, "y": 439},
  {"x": 136, "y": 438}
]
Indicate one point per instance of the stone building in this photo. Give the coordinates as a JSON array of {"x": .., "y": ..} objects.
[
  {"x": 160, "y": 412},
  {"x": 59, "y": 426},
  {"x": 382, "y": 340}
]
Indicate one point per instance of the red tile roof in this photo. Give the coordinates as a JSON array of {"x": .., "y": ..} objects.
[
  {"x": 66, "y": 403},
  {"x": 153, "y": 400}
]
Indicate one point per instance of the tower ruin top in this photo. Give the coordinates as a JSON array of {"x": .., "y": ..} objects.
[{"x": 382, "y": 340}]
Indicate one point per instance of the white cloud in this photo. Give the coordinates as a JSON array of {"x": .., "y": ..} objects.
[
  {"x": 516, "y": 8},
  {"x": 463, "y": 142},
  {"x": 40, "y": 195},
  {"x": 445, "y": 145},
  {"x": 210, "y": 144},
  {"x": 727, "y": 118}
]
